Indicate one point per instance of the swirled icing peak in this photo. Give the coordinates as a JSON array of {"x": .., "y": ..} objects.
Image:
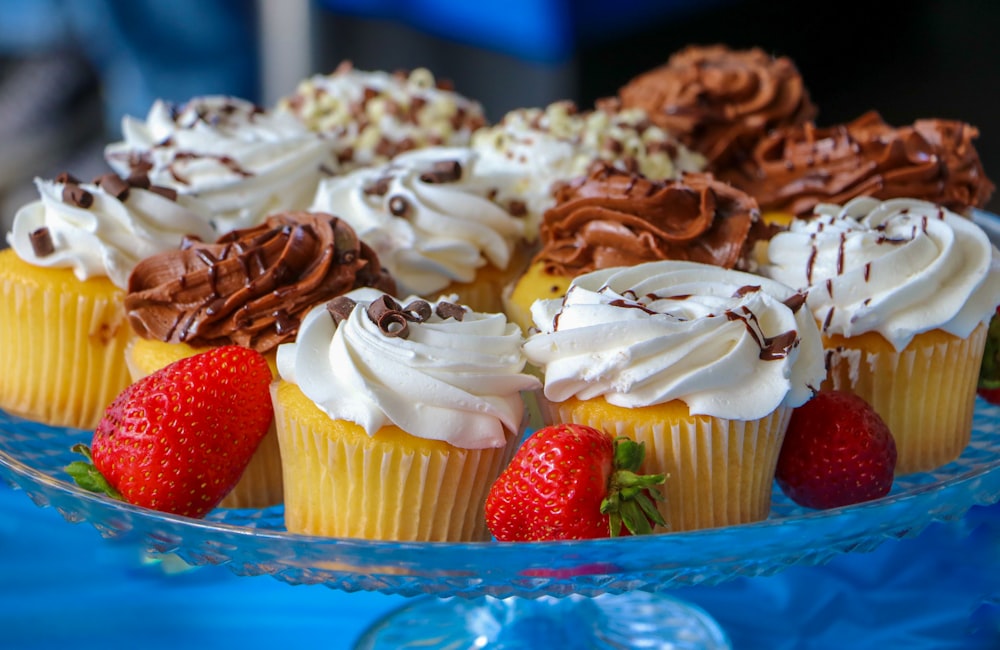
[
  {"x": 253, "y": 286},
  {"x": 428, "y": 214},
  {"x": 102, "y": 228},
  {"x": 795, "y": 169},
  {"x": 617, "y": 218},
  {"x": 727, "y": 343},
  {"x": 898, "y": 268},
  {"x": 456, "y": 374},
  {"x": 720, "y": 101},
  {"x": 242, "y": 162},
  {"x": 531, "y": 150},
  {"x": 372, "y": 116}
]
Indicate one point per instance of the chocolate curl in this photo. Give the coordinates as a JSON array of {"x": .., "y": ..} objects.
[
  {"x": 113, "y": 185},
  {"x": 444, "y": 171},
  {"x": 448, "y": 310},
  {"x": 340, "y": 309},
  {"x": 41, "y": 242},
  {"x": 393, "y": 324},
  {"x": 399, "y": 206},
  {"x": 418, "y": 311}
]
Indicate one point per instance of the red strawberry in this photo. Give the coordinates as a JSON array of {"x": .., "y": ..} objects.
[
  {"x": 179, "y": 439},
  {"x": 838, "y": 451},
  {"x": 989, "y": 372},
  {"x": 570, "y": 481}
]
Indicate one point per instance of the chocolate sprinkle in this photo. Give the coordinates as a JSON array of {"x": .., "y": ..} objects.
[
  {"x": 76, "y": 195},
  {"x": 113, "y": 185},
  {"x": 340, "y": 309},
  {"x": 448, "y": 310},
  {"x": 399, "y": 206},
  {"x": 41, "y": 242}
]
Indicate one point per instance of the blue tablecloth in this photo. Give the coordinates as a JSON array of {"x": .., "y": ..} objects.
[{"x": 62, "y": 585}]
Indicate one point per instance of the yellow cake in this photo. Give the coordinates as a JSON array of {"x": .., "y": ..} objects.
[{"x": 62, "y": 344}]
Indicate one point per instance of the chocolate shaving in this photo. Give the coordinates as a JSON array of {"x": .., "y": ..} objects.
[
  {"x": 340, "y": 309},
  {"x": 379, "y": 187},
  {"x": 139, "y": 179},
  {"x": 165, "y": 192},
  {"x": 444, "y": 171},
  {"x": 41, "y": 242},
  {"x": 381, "y": 305},
  {"x": 76, "y": 195},
  {"x": 418, "y": 310},
  {"x": 448, "y": 310},
  {"x": 67, "y": 179},
  {"x": 113, "y": 185},
  {"x": 517, "y": 208},
  {"x": 399, "y": 206}
]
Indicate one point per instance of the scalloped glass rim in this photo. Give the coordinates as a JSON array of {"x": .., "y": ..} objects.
[{"x": 253, "y": 542}]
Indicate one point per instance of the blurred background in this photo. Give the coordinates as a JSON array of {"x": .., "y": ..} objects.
[{"x": 70, "y": 69}]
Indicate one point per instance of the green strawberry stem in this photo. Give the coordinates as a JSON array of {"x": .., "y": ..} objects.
[
  {"x": 87, "y": 475},
  {"x": 989, "y": 373},
  {"x": 630, "y": 495}
]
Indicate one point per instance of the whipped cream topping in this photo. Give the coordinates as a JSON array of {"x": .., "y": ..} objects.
[
  {"x": 898, "y": 268},
  {"x": 241, "y": 161},
  {"x": 375, "y": 115},
  {"x": 533, "y": 149},
  {"x": 427, "y": 214},
  {"x": 101, "y": 229},
  {"x": 728, "y": 344},
  {"x": 456, "y": 375}
]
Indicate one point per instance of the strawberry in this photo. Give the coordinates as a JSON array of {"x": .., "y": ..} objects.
[
  {"x": 837, "y": 451},
  {"x": 570, "y": 481},
  {"x": 179, "y": 439},
  {"x": 989, "y": 372}
]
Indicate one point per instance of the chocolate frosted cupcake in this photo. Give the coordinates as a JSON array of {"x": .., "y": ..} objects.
[
  {"x": 251, "y": 288},
  {"x": 720, "y": 101},
  {"x": 794, "y": 169},
  {"x": 616, "y": 218}
]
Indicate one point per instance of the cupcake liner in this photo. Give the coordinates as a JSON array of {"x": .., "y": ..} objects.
[
  {"x": 62, "y": 343},
  {"x": 925, "y": 393},
  {"x": 341, "y": 482},
  {"x": 719, "y": 472},
  {"x": 261, "y": 483}
]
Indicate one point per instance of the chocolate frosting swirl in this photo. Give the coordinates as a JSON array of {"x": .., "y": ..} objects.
[
  {"x": 616, "y": 218},
  {"x": 720, "y": 101},
  {"x": 794, "y": 169},
  {"x": 253, "y": 286}
]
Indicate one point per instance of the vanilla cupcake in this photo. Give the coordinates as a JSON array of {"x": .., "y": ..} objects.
[
  {"x": 613, "y": 217},
  {"x": 62, "y": 283},
  {"x": 371, "y": 116},
  {"x": 532, "y": 150},
  {"x": 394, "y": 420},
  {"x": 252, "y": 288},
  {"x": 430, "y": 216},
  {"x": 903, "y": 291},
  {"x": 701, "y": 364},
  {"x": 240, "y": 161}
]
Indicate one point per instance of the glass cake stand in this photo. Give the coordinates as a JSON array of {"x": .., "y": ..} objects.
[{"x": 595, "y": 593}]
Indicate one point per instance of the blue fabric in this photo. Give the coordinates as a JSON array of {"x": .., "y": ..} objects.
[{"x": 62, "y": 585}]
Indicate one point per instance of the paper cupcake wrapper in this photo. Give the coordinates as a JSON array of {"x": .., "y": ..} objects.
[
  {"x": 339, "y": 482},
  {"x": 261, "y": 484},
  {"x": 719, "y": 472},
  {"x": 925, "y": 393},
  {"x": 63, "y": 352}
]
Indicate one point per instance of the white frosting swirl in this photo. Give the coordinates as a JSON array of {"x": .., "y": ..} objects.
[
  {"x": 108, "y": 238},
  {"x": 453, "y": 380},
  {"x": 242, "y": 162},
  {"x": 898, "y": 268},
  {"x": 532, "y": 149},
  {"x": 372, "y": 115},
  {"x": 724, "y": 342},
  {"x": 427, "y": 234}
]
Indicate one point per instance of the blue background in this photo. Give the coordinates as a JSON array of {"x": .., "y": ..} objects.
[{"x": 62, "y": 585}]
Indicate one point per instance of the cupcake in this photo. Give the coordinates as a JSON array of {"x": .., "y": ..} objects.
[
  {"x": 240, "y": 161},
  {"x": 251, "y": 288},
  {"x": 719, "y": 101},
  {"x": 903, "y": 291},
  {"x": 532, "y": 150},
  {"x": 617, "y": 218},
  {"x": 793, "y": 170},
  {"x": 701, "y": 364},
  {"x": 430, "y": 216},
  {"x": 371, "y": 116},
  {"x": 62, "y": 282},
  {"x": 395, "y": 419}
]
